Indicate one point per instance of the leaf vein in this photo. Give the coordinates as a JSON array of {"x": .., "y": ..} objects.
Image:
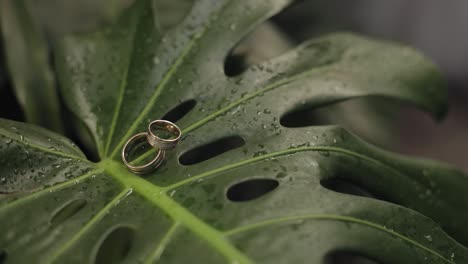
[
  {"x": 122, "y": 88},
  {"x": 50, "y": 189},
  {"x": 154, "y": 257},
  {"x": 246, "y": 98},
  {"x": 273, "y": 155},
  {"x": 87, "y": 227},
  {"x": 337, "y": 218},
  {"x": 37, "y": 147},
  {"x": 160, "y": 87}
]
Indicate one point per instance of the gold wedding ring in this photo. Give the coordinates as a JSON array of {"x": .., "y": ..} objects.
[
  {"x": 149, "y": 167},
  {"x": 160, "y": 143},
  {"x": 163, "y": 143}
]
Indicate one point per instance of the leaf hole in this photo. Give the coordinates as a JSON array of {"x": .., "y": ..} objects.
[
  {"x": 251, "y": 189},
  {"x": 302, "y": 117},
  {"x": 3, "y": 256},
  {"x": 116, "y": 246},
  {"x": 67, "y": 211},
  {"x": 342, "y": 112},
  {"x": 370, "y": 117},
  {"x": 348, "y": 257},
  {"x": 211, "y": 150},
  {"x": 351, "y": 113},
  {"x": 347, "y": 187},
  {"x": 180, "y": 111},
  {"x": 235, "y": 63}
]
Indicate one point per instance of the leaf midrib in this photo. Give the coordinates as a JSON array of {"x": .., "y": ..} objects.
[{"x": 159, "y": 198}]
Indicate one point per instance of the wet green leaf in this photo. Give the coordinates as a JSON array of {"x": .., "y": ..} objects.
[{"x": 240, "y": 187}]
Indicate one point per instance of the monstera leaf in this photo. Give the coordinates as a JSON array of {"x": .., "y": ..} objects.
[{"x": 242, "y": 186}]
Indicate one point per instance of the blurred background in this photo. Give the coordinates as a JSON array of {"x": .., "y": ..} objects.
[{"x": 435, "y": 27}]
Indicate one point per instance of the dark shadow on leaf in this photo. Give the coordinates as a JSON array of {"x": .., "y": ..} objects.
[
  {"x": 348, "y": 257},
  {"x": 3, "y": 256},
  {"x": 9, "y": 105},
  {"x": 79, "y": 133}
]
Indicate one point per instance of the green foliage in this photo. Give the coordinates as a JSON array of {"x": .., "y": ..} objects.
[
  {"x": 64, "y": 16},
  {"x": 275, "y": 197},
  {"x": 27, "y": 57}
]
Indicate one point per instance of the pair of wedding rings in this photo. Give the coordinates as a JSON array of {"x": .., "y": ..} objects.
[{"x": 159, "y": 143}]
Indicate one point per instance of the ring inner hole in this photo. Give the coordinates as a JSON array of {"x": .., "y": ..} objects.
[
  {"x": 164, "y": 132},
  {"x": 138, "y": 153}
]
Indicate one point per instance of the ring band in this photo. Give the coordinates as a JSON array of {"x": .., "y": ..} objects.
[
  {"x": 148, "y": 167},
  {"x": 161, "y": 143}
]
